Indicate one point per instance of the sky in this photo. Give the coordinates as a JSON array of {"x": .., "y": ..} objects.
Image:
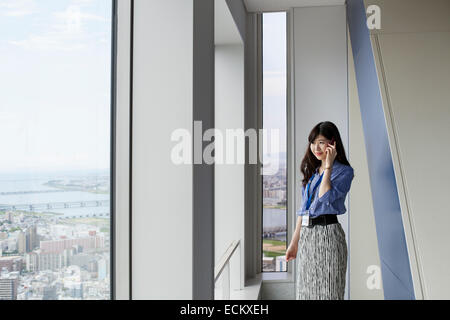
[
  {"x": 55, "y": 84},
  {"x": 274, "y": 74}
]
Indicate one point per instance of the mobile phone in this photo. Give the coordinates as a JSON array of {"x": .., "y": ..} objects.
[{"x": 332, "y": 141}]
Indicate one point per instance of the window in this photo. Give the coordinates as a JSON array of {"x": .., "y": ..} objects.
[
  {"x": 55, "y": 115},
  {"x": 274, "y": 117}
]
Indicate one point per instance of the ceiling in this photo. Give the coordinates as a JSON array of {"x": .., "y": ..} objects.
[
  {"x": 225, "y": 29},
  {"x": 280, "y": 5}
]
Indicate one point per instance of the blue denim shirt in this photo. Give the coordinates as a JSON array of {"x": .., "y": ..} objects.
[{"x": 332, "y": 201}]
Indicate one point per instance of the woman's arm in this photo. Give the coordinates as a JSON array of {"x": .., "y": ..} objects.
[
  {"x": 325, "y": 184},
  {"x": 291, "y": 252},
  {"x": 338, "y": 188},
  {"x": 296, "y": 235}
]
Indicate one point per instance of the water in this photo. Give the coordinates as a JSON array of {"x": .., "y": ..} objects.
[
  {"x": 274, "y": 218},
  {"x": 16, "y": 182}
]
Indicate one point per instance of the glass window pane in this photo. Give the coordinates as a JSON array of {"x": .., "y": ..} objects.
[
  {"x": 54, "y": 168},
  {"x": 274, "y": 117}
]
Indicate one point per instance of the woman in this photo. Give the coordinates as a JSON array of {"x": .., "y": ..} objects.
[{"x": 321, "y": 244}]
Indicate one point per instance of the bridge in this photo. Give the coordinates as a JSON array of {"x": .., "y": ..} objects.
[
  {"x": 87, "y": 215},
  {"x": 55, "y": 205},
  {"x": 270, "y": 232},
  {"x": 30, "y": 192}
]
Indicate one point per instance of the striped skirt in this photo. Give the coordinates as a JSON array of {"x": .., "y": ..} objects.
[{"x": 321, "y": 263}]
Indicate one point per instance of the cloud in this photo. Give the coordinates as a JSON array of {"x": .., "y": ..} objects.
[
  {"x": 67, "y": 31},
  {"x": 274, "y": 85},
  {"x": 73, "y": 18},
  {"x": 49, "y": 41},
  {"x": 17, "y": 8}
]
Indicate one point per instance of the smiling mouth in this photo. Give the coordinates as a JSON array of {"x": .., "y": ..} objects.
[{"x": 319, "y": 153}]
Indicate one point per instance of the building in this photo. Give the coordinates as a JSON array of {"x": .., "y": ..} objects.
[
  {"x": 102, "y": 269},
  {"x": 8, "y": 288},
  {"x": 280, "y": 263},
  {"x": 11, "y": 263},
  {"x": 22, "y": 243},
  {"x": 92, "y": 266},
  {"x": 49, "y": 293},
  {"x": 57, "y": 246},
  {"x": 75, "y": 290},
  {"x": 9, "y": 217},
  {"x": 32, "y": 262},
  {"x": 31, "y": 238},
  {"x": 41, "y": 261},
  {"x": 278, "y": 193}
]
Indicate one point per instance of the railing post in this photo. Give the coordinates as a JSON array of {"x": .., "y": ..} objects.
[
  {"x": 226, "y": 282},
  {"x": 240, "y": 266}
]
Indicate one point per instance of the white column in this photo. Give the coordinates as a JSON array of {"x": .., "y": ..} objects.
[
  {"x": 320, "y": 80},
  {"x": 162, "y": 191}
]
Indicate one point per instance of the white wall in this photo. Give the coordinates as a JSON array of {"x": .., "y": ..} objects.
[
  {"x": 413, "y": 62},
  {"x": 417, "y": 68},
  {"x": 320, "y": 88},
  {"x": 162, "y": 191},
  {"x": 229, "y": 178}
]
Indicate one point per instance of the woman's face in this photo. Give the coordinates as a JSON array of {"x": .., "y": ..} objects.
[{"x": 319, "y": 146}]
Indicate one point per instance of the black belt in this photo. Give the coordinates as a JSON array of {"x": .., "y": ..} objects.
[{"x": 323, "y": 220}]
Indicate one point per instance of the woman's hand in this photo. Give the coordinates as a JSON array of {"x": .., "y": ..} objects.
[
  {"x": 291, "y": 252},
  {"x": 331, "y": 154}
]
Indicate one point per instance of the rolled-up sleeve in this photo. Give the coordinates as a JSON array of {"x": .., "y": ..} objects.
[{"x": 340, "y": 185}]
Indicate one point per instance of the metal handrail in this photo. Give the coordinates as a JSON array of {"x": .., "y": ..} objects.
[{"x": 225, "y": 259}]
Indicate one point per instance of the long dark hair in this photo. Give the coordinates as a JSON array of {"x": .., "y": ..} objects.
[{"x": 310, "y": 163}]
